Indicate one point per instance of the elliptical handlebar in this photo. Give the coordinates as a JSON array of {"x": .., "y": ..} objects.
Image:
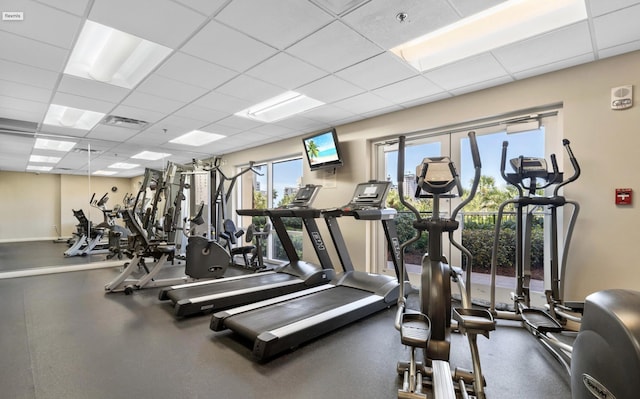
[
  {"x": 401, "y": 144},
  {"x": 574, "y": 164},
  {"x": 477, "y": 164}
]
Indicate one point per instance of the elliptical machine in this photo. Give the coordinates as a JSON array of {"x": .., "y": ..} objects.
[
  {"x": 429, "y": 328},
  {"x": 604, "y": 359},
  {"x": 530, "y": 177}
]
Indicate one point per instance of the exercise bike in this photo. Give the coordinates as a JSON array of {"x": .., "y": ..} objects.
[{"x": 429, "y": 327}]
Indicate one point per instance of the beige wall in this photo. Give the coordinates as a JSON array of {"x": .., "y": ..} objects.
[
  {"x": 605, "y": 141},
  {"x": 34, "y": 205}
]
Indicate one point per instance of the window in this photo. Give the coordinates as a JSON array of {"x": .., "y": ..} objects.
[
  {"x": 478, "y": 217},
  {"x": 275, "y": 186}
]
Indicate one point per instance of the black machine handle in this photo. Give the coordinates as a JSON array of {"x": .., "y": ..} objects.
[
  {"x": 92, "y": 197},
  {"x": 503, "y": 160},
  {"x": 475, "y": 152},
  {"x": 103, "y": 200},
  {"x": 401, "y": 145},
  {"x": 574, "y": 164}
]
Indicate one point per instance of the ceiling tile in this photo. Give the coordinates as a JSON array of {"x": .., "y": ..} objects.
[
  {"x": 286, "y": 71},
  {"x": 23, "y": 91},
  {"x": 92, "y": 88},
  {"x": 171, "y": 89},
  {"x": 42, "y": 23},
  {"x": 175, "y": 126},
  {"x": 222, "y": 102},
  {"x": 189, "y": 69},
  {"x": 278, "y": 23},
  {"x": 617, "y": 28},
  {"x": 408, "y": 90},
  {"x": 153, "y": 103},
  {"x": 467, "y": 72},
  {"x": 330, "y": 89},
  {"x": 550, "y": 48},
  {"x": 148, "y": 19},
  {"x": 377, "y": 20},
  {"x": 207, "y": 7},
  {"x": 31, "y": 52},
  {"x": 224, "y": 46},
  {"x": 364, "y": 102},
  {"x": 378, "y": 71},
  {"x": 481, "y": 85},
  {"x": 320, "y": 48},
  {"x": 328, "y": 114},
  {"x": 469, "y": 7},
  {"x": 339, "y": 7},
  {"x": 28, "y": 75},
  {"x": 23, "y": 105},
  {"x": 197, "y": 112},
  {"x": 249, "y": 89},
  {"x": 77, "y": 7},
  {"x": 111, "y": 133},
  {"x": 565, "y": 63},
  {"x": 90, "y": 104},
  {"x": 602, "y": 7},
  {"x": 239, "y": 123}
]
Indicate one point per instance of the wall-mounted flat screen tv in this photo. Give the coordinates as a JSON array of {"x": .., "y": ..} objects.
[{"x": 323, "y": 150}]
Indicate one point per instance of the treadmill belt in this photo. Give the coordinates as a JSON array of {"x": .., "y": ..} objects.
[
  {"x": 222, "y": 286},
  {"x": 253, "y": 323}
]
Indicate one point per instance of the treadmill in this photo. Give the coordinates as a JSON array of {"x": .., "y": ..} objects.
[
  {"x": 204, "y": 296},
  {"x": 281, "y": 323}
]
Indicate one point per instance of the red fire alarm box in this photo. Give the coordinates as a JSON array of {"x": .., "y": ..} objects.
[{"x": 623, "y": 196}]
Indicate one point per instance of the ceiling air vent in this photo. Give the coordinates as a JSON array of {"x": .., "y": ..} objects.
[
  {"x": 81, "y": 150},
  {"x": 121, "y": 121}
]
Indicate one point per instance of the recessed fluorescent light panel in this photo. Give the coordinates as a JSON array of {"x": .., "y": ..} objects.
[
  {"x": 104, "y": 172},
  {"x": 112, "y": 56},
  {"x": 37, "y": 168},
  {"x": 196, "y": 138},
  {"x": 280, "y": 107},
  {"x": 54, "y": 145},
  {"x": 59, "y": 115},
  {"x": 150, "y": 155},
  {"x": 44, "y": 159},
  {"x": 506, "y": 23},
  {"x": 123, "y": 165}
]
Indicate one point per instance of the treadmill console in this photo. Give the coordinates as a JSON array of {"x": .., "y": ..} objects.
[
  {"x": 304, "y": 197},
  {"x": 371, "y": 194},
  {"x": 368, "y": 202}
]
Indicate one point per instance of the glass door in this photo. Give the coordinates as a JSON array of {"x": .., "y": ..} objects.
[{"x": 415, "y": 152}]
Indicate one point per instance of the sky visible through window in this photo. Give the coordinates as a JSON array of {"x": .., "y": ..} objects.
[{"x": 490, "y": 147}]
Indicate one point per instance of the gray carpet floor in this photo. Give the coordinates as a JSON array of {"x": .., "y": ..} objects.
[{"x": 61, "y": 336}]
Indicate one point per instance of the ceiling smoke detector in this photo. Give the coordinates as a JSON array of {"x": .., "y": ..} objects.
[{"x": 121, "y": 121}]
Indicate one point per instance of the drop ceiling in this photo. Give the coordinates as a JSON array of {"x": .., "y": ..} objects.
[{"x": 227, "y": 55}]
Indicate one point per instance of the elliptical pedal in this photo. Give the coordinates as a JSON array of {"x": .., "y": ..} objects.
[
  {"x": 541, "y": 321},
  {"x": 415, "y": 330}
]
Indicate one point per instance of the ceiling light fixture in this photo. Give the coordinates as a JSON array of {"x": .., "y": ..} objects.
[
  {"x": 37, "y": 168},
  {"x": 280, "y": 107},
  {"x": 44, "y": 159},
  {"x": 59, "y": 115},
  {"x": 104, "y": 172},
  {"x": 506, "y": 23},
  {"x": 196, "y": 138},
  {"x": 53, "y": 145},
  {"x": 150, "y": 155},
  {"x": 112, "y": 56},
  {"x": 123, "y": 165}
]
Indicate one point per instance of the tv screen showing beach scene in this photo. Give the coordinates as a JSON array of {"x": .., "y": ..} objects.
[{"x": 322, "y": 150}]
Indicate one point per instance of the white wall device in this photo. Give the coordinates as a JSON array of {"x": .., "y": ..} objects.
[{"x": 622, "y": 97}]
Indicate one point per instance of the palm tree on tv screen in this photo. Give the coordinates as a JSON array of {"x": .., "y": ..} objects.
[{"x": 312, "y": 149}]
